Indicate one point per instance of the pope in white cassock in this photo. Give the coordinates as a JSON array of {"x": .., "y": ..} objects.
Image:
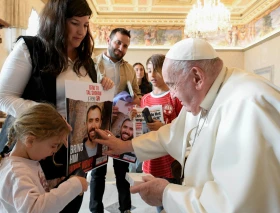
[{"x": 229, "y": 130}]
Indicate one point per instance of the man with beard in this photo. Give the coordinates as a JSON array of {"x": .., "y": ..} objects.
[
  {"x": 93, "y": 121},
  {"x": 112, "y": 65},
  {"x": 126, "y": 133}
]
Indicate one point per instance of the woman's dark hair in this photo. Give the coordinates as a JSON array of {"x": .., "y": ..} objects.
[
  {"x": 52, "y": 33},
  {"x": 145, "y": 86},
  {"x": 144, "y": 79},
  {"x": 121, "y": 31}
]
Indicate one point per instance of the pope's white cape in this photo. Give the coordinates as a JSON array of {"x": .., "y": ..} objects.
[{"x": 234, "y": 165}]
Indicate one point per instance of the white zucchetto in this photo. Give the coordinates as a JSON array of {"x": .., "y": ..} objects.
[{"x": 191, "y": 49}]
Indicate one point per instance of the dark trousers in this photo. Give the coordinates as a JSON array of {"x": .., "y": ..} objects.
[{"x": 97, "y": 187}]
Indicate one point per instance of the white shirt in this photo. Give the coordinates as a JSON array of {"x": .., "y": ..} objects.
[
  {"x": 15, "y": 75},
  {"x": 234, "y": 165},
  {"x": 112, "y": 70},
  {"x": 22, "y": 188}
]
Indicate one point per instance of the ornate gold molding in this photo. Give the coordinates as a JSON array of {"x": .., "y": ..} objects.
[
  {"x": 137, "y": 22},
  {"x": 167, "y": 17}
]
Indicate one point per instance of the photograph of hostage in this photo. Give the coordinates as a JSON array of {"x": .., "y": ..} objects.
[
  {"x": 126, "y": 133},
  {"x": 226, "y": 137},
  {"x": 93, "y": 122}
]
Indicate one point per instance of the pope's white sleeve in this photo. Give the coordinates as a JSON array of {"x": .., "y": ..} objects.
[
  {"x": 14, "y": 77},
  {"x": 151, "y": 145}
]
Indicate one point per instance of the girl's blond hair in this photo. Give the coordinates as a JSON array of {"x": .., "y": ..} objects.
[{"x": 41, "y": 120}]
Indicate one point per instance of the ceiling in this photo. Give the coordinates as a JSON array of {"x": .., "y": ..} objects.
[{"x": 170, "y": 12}]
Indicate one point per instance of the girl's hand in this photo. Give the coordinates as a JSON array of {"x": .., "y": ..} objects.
[{"x": 107, "y": 83}]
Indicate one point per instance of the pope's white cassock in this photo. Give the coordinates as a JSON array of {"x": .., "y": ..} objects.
[{"x": 234, "y": 149}]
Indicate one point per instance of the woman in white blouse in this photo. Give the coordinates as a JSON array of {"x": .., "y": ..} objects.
[{"x": 36, "y": 69}]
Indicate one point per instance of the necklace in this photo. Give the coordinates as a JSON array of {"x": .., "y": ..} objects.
[{"x": 203, "y": 115}]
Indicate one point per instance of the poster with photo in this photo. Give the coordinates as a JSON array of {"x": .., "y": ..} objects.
[
  {"x": 139, "y": 123},
  {"x": 88, "y": 107},
  {"x": 122, "y": 127}
]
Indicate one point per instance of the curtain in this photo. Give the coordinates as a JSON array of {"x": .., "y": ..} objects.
[{"x": 17, "y": 13}]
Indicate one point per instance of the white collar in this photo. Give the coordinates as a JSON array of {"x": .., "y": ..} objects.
[{"x": 106, "y": 58}]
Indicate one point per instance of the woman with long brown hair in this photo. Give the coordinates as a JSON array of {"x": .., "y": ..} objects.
[{"x": 36, "y": 70}]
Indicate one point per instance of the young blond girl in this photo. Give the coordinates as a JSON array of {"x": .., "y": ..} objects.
[{"x": 37, "y": 133}]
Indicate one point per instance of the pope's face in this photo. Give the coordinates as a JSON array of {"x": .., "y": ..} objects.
[{"x": 182, "y": 86}]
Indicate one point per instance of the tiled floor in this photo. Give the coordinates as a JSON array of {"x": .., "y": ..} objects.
[{"x": 110, "y": 198}]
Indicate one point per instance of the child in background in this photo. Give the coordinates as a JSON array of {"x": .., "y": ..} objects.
[
  {"x": 159, "y": 167},
  {"x": 37, "y": 133}
]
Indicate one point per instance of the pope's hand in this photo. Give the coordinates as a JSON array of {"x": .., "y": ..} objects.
[
  {"x": 151, "y": 191},
  {"x": 115, "y": 145}
]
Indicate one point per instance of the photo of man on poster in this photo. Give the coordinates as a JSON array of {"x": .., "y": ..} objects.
[
  {"x": 126, "y": 132},
  {"x": 93, "y": 121}
]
